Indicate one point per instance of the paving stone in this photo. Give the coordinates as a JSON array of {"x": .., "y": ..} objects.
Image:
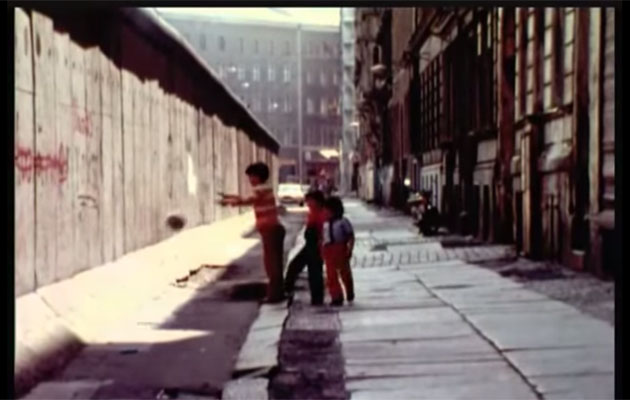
[
  {"x": 455, "y": 349},
  {"x": 493, "y": 384},
  {"x": 313, "y": 321},
  {"x": 459, "y": 295},
  {"x": 576, "y": 387},
  {"x": 246, "y": 389},
  {"x": 406, "y": 331},
  {"x": 370, "y": 318},
  {"x": 564, "y": 361},
  {"x": 517, "y": 307},
  {"x": 79, "y": 389},
  {"x": 530, "y": 331}
]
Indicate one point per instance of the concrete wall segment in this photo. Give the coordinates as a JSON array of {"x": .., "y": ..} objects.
[{"x": 102, "y": 142}]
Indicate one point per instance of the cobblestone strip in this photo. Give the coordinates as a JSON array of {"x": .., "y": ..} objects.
[{"x": 310, "y": 360}]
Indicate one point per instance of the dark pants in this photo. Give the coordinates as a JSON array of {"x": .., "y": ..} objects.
[
  {"x": 273, "y": 255},
  {"x": 308, "y": 256}
]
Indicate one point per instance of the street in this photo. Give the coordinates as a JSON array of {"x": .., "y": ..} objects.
[
  {"x": 426, "y": 324},
  {"x": 157, "y": 150},
  {"x": 435, "y": 330}
]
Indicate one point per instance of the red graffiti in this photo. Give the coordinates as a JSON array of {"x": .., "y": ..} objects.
[
  {"x": 28, "y": 164},
  {"x": 81, "y": 123}
]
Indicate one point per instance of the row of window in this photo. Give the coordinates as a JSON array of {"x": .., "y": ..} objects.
[
  {"x": 458, "y": 89},
  {"x": 326, "y": 136},
  {"x": 321, "y": 136},
  {"x": 322, "y": 49},
  {"x": 326, "y": 107},
  {"x": 222, "y": 45},
  {"x": 272, "y": 105},
  {"x": 313, "y": 48},
  {"x": 324, "y": 78},
  {"x": 555, "y": 28},
  {"x": 256, "y": 73}
]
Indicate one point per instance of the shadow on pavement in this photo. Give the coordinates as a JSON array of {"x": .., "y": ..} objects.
[{"x": 207, "y": 333}]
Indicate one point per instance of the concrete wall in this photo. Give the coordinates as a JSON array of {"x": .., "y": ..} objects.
[{"x": 116, "y": 127}]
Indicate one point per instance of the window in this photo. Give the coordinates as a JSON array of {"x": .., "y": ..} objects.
[
  {"x": 287, "y": 74},
  {"x": 568, "y": 20},
  {"x": 271, "y": 105},
  {"x": 431, "y": 112},
  {"x": 221, "y": 71},
  {"x": 530, "y": 27},
  {"x": 323, "y": 107},
  {"x": 335, "y": 79},
  {"x": 256, "y": 73},
  {"x": 310, "y": 106},
  {"x": 287, "y": 48},
  {"x": 547, "y": 58},
  {"x": 241, "y": 44},
  {"x": 202, "y": 42},
  {"x": 221, "y": 43},
  {"x": 271, "y": 47},
  {"x": 322, "y": 78},
  {"x": 287, "y": 137},
  {"x": 326, "y": 50},
  {"x": 241, "y": 73},
  {"x": 271, "y": 74},
  {"x": 309, "y": 78},
  {"x": 287, "y": 105},
  {"x": 256, "y": 46},
  {"x": 256, "y": 104}
]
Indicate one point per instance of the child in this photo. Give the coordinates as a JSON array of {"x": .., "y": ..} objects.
[
  {"x": 310, "y": 254},
  {"x": 267, "y": 224},
  {"x": 338, "y": 243}
]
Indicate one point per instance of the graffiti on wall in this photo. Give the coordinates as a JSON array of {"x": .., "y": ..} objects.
[
  {"x": 49, "y": 166},
  {"x": 81, "y": 122}
]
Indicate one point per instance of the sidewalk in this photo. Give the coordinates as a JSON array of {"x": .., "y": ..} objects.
[
  {"x": 143, "y": 333},
  {"x": 427, "y": 324}
]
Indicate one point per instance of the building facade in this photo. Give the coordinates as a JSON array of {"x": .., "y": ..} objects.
[
  {"x": 287, "y": 74},
  {"x": 320, "y": 94},
  {"x": 373, "y": 91},
  {"x": 348, "y": 157},
  {"x": 507, "y": 116}
]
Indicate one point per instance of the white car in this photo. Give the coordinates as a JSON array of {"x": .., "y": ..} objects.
[{"x": 291, "y": 193}]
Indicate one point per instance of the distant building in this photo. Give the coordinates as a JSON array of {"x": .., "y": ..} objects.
[
  {"x": 276, "y": 68},
  {"x": 348, "y": 161}
]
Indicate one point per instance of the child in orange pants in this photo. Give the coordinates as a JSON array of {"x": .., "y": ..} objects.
[{"x": 337, "y": 246}]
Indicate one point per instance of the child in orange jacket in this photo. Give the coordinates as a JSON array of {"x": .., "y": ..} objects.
[{"x": 268, "y": 225}]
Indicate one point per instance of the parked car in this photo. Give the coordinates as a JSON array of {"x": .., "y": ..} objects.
[{"x": 291, "y": 193}]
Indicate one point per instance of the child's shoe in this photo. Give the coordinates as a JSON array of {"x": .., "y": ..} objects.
[{"x": 337, "y": 303}]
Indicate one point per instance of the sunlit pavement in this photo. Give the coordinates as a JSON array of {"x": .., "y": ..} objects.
[{"x": 175, "y": 339}]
